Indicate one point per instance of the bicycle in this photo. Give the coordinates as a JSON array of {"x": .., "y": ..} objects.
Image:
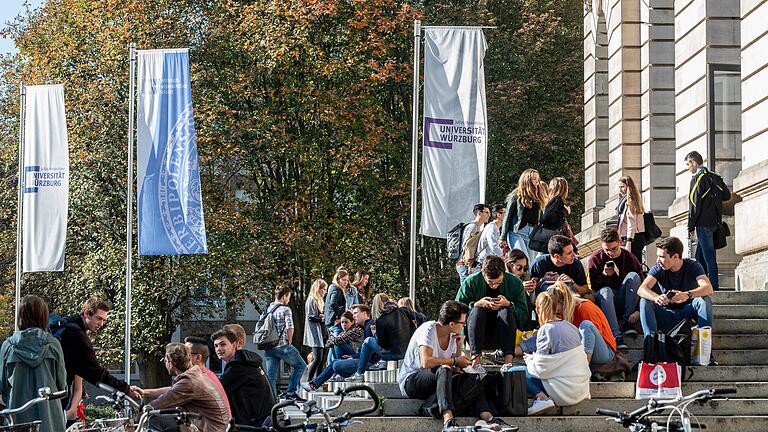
[
  {"x": 640, "y": 421},
  {"x": 182, "y": 418},
  {"x": 44, "y": 394},
  {"x": 120, "y": 402},
  {"x": 310, "y": 408}
]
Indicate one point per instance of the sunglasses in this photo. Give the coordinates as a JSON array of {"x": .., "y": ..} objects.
[{"x": 520, "y": 267}]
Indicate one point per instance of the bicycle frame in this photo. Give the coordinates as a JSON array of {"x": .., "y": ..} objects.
[
  {"x": 44, "y": 394},
  {"x": 329, "y": 424},
  {"x": 638, "y": 420}
]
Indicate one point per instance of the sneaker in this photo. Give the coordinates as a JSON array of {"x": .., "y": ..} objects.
[
  {"x": 630, "y": 331},
  {"x": 619, "y": 377},
  {"x": 539, "y": 406},
  {"x": 496, "y": 424},
  {"x": 599, "y": 377},
  {"x": 620, "y": 345},
  {"x": 356, "y": 377},
  {"x": 381, "y": 365},
  {"x": 336, "y": 378},
  {"x": 451, "y": 426},
  {"x": 309, "y": 386},
  {"x": 294, "y": 397}
]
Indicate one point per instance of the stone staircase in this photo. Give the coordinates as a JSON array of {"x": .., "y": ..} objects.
[{"x": 740, "y": 345}]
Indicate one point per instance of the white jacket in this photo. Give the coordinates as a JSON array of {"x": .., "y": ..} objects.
[{"x": 565, "y": 375}]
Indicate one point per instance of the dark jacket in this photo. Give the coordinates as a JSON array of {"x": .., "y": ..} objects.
[
  {"x": 80, "y": 357},
  {"x": 248, "y": 390},
  {"x": 394, "y": 328},
  {"x": 554, "y": 214},
  {"x": 707, "y": 193},
  {"x": 335, "y": 304},
  {"x": 31, "y": 359},
  {"x": 514, "y": 216}
]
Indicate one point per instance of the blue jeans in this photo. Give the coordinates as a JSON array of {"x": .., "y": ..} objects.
[
  {"x": 706, "y": 255},
  {"x": 340, "y": 351},
  {"x": 289, "y": 354},
  {"x": 344, "y": 368},
  {"x": 370, "y": 347},
  {"x": 463, "y": 272},
  {"x": 534, "y": 384},
  {"x": 595, "y": 344},
  {"x": 655, "y": 317},
  {"x": 520, "y": 240},
  {"x": 623, "y": 299}
]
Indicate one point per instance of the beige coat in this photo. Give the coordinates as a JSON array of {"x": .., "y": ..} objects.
[{"x": 630, "y": 224}]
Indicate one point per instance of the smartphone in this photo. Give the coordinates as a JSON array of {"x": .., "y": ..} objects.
[
  {"x": 671, "y": 294},
  {"x": 610, "y": 264}
]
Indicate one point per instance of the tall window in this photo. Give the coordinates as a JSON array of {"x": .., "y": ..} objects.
[{"x": 724, "y": 120}]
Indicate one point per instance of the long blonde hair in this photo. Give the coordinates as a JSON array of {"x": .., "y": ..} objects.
[
  {"x": 314, "y": 292},
  {"x": 546, "y": 307},
  {"x": 567, "y": 302},
  {"x": 527, "y": 193},
  {"x": 377, "y": 306},
  {"x": 558, "y": 186},
  {"x": 634, "y": 200},
  {"x": 340, "y": 274}
]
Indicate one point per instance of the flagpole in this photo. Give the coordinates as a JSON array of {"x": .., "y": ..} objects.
[
  {"x": 414, "y": 155},
  {"x": 19, "y": 208},
  {"x": 129, "y": 215}
]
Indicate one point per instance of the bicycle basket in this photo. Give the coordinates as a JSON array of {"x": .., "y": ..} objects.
[{"x": 22, "y": 427}]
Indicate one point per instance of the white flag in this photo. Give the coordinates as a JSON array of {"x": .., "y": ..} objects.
[
  {"x": 46, "y": 179},
  {"x": 455, "y": 128}
]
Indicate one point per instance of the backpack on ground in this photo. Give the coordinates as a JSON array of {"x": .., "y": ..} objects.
[
  {"x": 673, "y": 346},
  {"x": 266, "y": 335},
  {"x": 57, "y": 324},
  {"x": 455, "y": 241}
]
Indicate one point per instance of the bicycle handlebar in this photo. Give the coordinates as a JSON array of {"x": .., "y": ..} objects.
[
  {"x": 727, "y": 390},
  {"x": 118, "y": 396},
  {"x": 343, "y": 392},
  {"x": 360, "y": 387},
  {"x": 44, "y": 394},
  {"x": 276, "y": 423}
]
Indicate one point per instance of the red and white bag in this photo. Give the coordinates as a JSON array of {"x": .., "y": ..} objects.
[{"x": 658, "y": 380}]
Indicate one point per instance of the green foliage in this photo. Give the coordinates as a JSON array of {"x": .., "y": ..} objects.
[{"x": 302, "y": 111}]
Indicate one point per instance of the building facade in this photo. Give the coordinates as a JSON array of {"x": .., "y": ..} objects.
[{"x": 663, "y": 78}]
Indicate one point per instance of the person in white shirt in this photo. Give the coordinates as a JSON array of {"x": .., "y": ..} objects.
[
  {"x": 490, "y": 240},
  {"x": 433, "y": 364}
]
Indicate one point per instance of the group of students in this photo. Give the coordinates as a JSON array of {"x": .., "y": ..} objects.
[{"x": 347, "y": 336}]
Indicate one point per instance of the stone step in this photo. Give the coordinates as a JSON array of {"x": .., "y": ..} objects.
[
  {"x": 719, "y": 341},
  {"x": 553, "y": 424},
  {"x": 740, "y": 297},
  {"x": 599, "y": 390},
  {"x": 728, "y": 374},
  {"x": 723, "y": 357},
  {"x": 740, "y": 326},
  {"x": 408, "y": 407},
  {"x": 741, "y": 311}
]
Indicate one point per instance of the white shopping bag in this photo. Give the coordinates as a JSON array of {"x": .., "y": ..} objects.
[{"x": 701, "y": 345}]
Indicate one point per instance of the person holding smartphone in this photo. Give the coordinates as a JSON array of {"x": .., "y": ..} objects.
[
  {"x": 499, "y": 305},
  {"x": 615, "y": 275},
  {"x": 675, "y": 288}
]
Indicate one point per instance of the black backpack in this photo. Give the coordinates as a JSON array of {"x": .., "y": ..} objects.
[
  {"x": 455, "y": 241},
  {"x": 673, "y": 346}
]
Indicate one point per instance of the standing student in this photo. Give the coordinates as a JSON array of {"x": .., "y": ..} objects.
[
  {"x": 630, "y": 211},
  {"x": 29, "y": 359},
  {"x": 362, "y": 284},
  {"x": 336, "y": 300},
  {"x": 489, "y": 240},
  {"x": 313, "y": 326},
  {"x": 284, "y": 351},
  {"x": 470, "y": 238},
  {"x": 556, "y": 210},
  {"x": 524, "y": 206},
  {"x": 705, "y": 212}
]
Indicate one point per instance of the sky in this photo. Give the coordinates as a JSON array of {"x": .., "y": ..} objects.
[{"x": 9, "y": 9}]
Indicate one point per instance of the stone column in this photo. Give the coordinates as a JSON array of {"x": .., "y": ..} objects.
[
  {"x": 751, "y": 235},
  {"x": 706, "y": 31},
  {"x": 595, "y": 115}
]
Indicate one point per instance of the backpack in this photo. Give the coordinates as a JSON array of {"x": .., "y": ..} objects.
[
  {"x": 455, "y": 241},
  {"x": 673, "y": 346},
  {"x": 57, "y": 324},
  {"x": 266, "y": 335}
]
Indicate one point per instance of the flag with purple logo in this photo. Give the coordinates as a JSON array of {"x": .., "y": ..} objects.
[
  {"x": 169, "y": 197},
  {"x": 455, "y": 127},
  {"x": 45, "y": 179}
]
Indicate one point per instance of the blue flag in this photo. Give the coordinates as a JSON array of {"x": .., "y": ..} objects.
[{"x": 169, "y": 197}]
